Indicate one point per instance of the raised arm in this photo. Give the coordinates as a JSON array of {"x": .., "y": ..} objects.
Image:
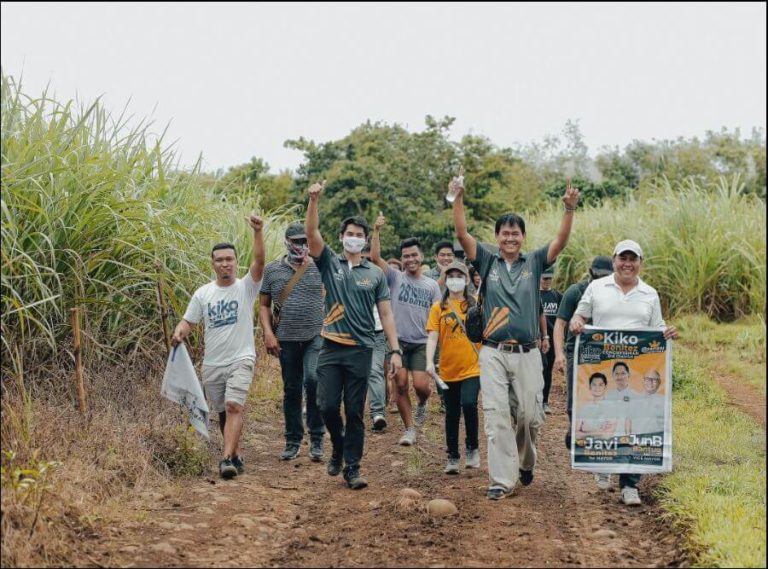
[
  {"x": 257, "y": 264},
  {"x": 312, "y": 221},
  {"x": 570, "y": 199},
  {"x": 376, "y": 243},
  {"x": 468, "y": 243}
]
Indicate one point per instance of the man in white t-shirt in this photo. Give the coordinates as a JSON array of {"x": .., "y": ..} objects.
[{"x": 225, "y": 306}]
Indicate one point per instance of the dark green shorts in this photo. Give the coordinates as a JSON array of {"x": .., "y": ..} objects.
[{"x": 414, "y": 356}]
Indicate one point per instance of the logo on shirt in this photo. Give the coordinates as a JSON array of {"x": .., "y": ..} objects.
[
  {"x": 494, "y": 276},
  {"x": 339, "y": 275},
  {"x": 366, "y": 283},
  {"x": 525, "y": 274},
  {"x": 222, "y": 313}
]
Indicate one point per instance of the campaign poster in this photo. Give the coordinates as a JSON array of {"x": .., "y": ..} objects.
[{"x": 622, "y": 402}]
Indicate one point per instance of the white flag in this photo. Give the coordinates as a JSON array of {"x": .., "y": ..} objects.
[{"x": 180, "y": 385}]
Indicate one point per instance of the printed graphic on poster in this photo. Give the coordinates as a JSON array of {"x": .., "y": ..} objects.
[{"x": 622, "y": 403}]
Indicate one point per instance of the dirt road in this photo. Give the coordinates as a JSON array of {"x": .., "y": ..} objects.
[{"x": 292, "y": 514}]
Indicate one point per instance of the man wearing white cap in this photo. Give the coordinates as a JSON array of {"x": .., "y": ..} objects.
[{"x": 622, "y": 300}]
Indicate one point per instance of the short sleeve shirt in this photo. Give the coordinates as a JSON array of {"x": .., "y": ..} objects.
[
  {"x": 227, "y": 314},
  {"x": 567, "y": 309},
  {"x": 550, "y": 302},
  {"x": 609, "y": 307},
  {"x": 512, "y": 302},
  {"x": 350, "y": 295},
  {"x": 458, "y": 359},
  {"x": 411, "y": 301},
  {"x": 301, "y": 314}
]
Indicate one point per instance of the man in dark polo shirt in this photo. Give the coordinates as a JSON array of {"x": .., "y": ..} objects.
[
  {"x": 509, "y": 358},
  {"x": 550, "y": 301},
  {"x": 352, "y": 286},
  {"x": 297, "y": 339}
]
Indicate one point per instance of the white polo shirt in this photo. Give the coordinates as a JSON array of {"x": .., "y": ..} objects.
[{"x": 609, "y": 307}]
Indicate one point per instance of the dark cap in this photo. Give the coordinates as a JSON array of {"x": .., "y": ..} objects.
[
  {"x": 295, "y": 231},
  {"x": 548, "y": 273},
  {"x": 455, "y": 266},
  {"x": 602, "y": 265}
]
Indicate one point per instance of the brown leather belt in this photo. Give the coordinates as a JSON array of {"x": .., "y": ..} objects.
[{"x": 511, "y": 346}]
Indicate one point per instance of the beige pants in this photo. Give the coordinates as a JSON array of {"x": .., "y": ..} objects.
[{"x": 512, "y": 385}]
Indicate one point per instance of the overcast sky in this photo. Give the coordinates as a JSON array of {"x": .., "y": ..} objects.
[{"x": 237, "y": 80}]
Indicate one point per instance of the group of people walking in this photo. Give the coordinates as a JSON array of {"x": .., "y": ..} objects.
[{"x": 343, "y": 324}]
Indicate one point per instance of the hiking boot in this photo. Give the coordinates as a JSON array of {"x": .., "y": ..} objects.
[
  {"x": 497, "y": 493},
  {"x": 238, "y": 462},
  {"x": 316, "y": 452},
  {"x": 291, "y": 451},
  {"x": 603, "y": 481},
  {"x": 335, "y": 464},
  {"x": 473, "y": 458},
  {"x": 526, "y": 477},
  {"x": 630, "y": 496},
  {"x": 452, "y": 467},
  {"x": 408, "y": 438},
  {"x": 227, "y": 470},
  {"x": 420, "y": 416},
  {"x": 547, "y": 409},
  {"x": 354, "y": 480},
  {"x": 379, "y": 423}
]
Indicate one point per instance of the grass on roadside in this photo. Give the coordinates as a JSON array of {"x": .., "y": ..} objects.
[{"x": 716, "y": 494}]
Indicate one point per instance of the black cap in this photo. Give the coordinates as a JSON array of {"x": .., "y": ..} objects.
[
  {"x": 548, "y": 273},
  {"x": 295, "y": 231},
  {"x": 602, "y": 266}
]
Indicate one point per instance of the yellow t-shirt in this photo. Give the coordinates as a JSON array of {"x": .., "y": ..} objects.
[{"x": 458, "y": 360}]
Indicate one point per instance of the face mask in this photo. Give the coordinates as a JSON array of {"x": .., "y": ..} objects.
[
  {"x": 455, "y": 284},
  {"x": 297, "y": 254},
  {"x": 353, "y": 244}
]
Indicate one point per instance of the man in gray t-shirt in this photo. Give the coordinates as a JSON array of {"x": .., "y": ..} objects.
[{"x": 412, "y": 296}]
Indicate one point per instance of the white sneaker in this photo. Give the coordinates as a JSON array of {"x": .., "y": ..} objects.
[
  {"x": 630, "y": 496},
  {"x": 603, "y": 481},
  {"x": 421, "y": 415},
  {"x": 547, "y": 409},
  {"x": 408, "y": 438},
  {"x": 473, "y": 459},
  {"x": 452, "y": 467}
]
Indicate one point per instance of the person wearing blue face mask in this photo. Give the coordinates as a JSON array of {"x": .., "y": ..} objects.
[{"x": 293, "y": 291}]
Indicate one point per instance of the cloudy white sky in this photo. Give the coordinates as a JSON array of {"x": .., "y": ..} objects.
[{"x": 237, "y": 80}]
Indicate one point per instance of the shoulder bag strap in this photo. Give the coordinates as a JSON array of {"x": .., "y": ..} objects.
[
  {"x": 291, "y": 283},
  {"x": 461, "y": 323}
]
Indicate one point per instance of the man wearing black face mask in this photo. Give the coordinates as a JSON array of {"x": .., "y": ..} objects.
[{"x": 292, "y": 283}]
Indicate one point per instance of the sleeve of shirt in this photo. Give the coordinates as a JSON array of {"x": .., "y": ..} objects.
[
  {"x": 540, "y": 255},
  {"x": 433, "y": 323},
  {"x": 267, "y": 280},
  {"x": 436, "y": 297},
  {"x": 656, "y": 320},
  {"x": 251, "y": 286},
  {"x": 323, "y": 262},
  {"x": 482, "y": 258},
  {"x": 194, "y": 313},
  {"x": 567, "y": 304},
  {"x": 392, "y": 276},
  {"x": 382, "y": 289},
  {"x": 584, "y": 309}
]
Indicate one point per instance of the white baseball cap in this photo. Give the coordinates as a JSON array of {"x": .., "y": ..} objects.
[{"x": 628, "y": 245}]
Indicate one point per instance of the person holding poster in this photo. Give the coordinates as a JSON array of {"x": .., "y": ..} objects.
[{"x": 622, "y": 301}]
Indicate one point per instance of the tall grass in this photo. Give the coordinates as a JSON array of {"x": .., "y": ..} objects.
[
  {"x": 93, "y": 213},
  {"x": 704, "y": 247}
]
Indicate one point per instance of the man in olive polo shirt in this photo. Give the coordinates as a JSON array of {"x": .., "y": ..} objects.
[
  {"x": 352, "y": 285},
  {"x": 509, "y": 358}
]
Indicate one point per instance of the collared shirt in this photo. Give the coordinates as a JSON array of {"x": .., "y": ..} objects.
[
  {"x": 512, "y": 303},
  {"x": 350, "y": 294},
  {"x": 568, "y": 305},
  {"x": 605, "y": 302}
]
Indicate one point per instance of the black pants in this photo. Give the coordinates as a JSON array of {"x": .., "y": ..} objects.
[
  {"x": 298, "y": 364},
  {"x": 547, "y": 364},
  {"x": 461, "y": 396},
  {"x": 342, "y": 371}
]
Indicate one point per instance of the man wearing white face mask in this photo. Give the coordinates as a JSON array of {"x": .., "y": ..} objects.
[
  {"x": 352, "y": 285},
  {"x": 292, "y": 284}
]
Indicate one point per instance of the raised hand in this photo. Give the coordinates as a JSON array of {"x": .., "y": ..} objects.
[
  {"x": 315, "y": 189},
  {"x": 256, "y": 222},
  {"x": 380, "y": 222},
  {"x": 571, "y": 197}
]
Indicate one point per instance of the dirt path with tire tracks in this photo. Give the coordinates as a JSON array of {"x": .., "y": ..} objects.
[{"x": 292, "y": 514}]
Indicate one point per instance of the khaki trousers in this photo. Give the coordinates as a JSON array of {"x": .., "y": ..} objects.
[{"x": 511, "y": 385}]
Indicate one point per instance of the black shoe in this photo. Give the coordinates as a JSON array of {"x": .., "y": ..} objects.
[
  {"x": 316, "y": 452},
  {"x": 568, "y": 440},
  {"x": 335, "y": 464},
  {"x": 379, "y": 424},
  {"x": 291, "y": 451},
  {"x": 526, "y": 477},
  {"x": 354, "y": 480},
  {"x": 238, "y": 462},
  {"x": 497, "y": 493},
  {"x": 227, "y": 470}
]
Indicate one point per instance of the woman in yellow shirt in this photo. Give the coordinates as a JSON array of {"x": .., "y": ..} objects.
[{"x": 459, "y": 366}]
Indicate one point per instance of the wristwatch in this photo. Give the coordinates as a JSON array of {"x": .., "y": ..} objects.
[{"x": 398, "y": 351}]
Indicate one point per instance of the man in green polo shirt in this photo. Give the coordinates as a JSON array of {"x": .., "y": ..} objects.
[
  {"x": 509, "y": 358},
  {"x": 352, "y": 286}
]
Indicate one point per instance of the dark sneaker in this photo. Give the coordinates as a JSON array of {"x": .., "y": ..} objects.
[
  {"x": 379, "y": 424},
  {"x": 291, "y": 451},
  {"x": 316, "y": 452},
  {"x": 497, "y": 493},
  {"x": 227, "y": 470},
  {"x": 354, "y": 480},
  {"x": 526, "y": 477},
  {"x": 568, "y": 440},
  {"x": 335, "y": 464},
  {"x": 238, "y": 462}
]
